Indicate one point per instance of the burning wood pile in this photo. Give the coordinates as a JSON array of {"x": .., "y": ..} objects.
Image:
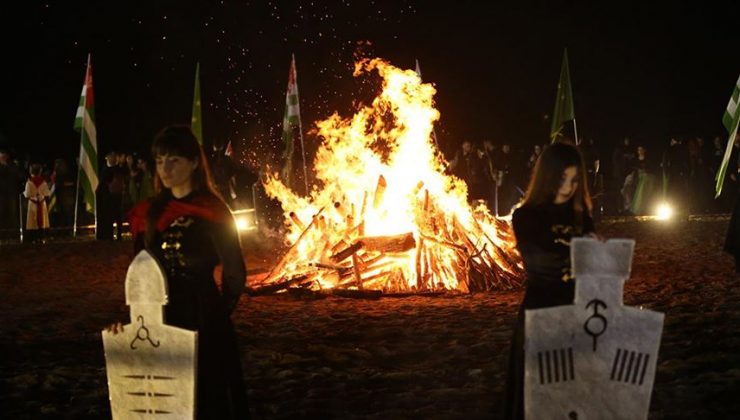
[{"x": 388, "y": 219}]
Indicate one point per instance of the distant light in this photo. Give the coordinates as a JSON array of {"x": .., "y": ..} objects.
[
  {"x": 664, "y": 212},
  {"x": 245, "y": 220}
]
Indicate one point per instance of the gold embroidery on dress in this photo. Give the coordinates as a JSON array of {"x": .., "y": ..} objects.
[{"x": 182, "y": 222}]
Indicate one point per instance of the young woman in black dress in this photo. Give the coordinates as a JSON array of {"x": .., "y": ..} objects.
[
  {"x": 189, "y": 230},
  {"x": 556, "y": 208}
]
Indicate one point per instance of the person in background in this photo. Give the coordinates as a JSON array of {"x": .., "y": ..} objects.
[
  {"x": 141, "y": 185},
  {"x": 11, "y": 178},
  {"x": 188, "y": 228},
  {"x": 556, "y": 208},
  {"x": 37, "y": 191},
  {"x": 468, "y": 166}
]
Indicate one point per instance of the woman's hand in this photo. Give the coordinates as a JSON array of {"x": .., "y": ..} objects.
[{"x": 115, "y": 328}]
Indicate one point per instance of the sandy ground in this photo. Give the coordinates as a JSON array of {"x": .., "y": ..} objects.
[{"x": 304, "y": 357}]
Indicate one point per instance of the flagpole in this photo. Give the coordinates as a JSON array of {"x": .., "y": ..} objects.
[
  {"x": 575, "y": 131},
  {"x": 300, "y": 129},
  {"x": 77, "y": 194},
  {"x": 20, "y": 215}
]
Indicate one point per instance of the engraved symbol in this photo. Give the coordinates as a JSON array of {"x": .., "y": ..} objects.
[
  {"x": 595, "y": 325},
  {"x": 629, "y": 366},
  {"x": 556, "y": 365},
  {"x": 143, "y": 334}
]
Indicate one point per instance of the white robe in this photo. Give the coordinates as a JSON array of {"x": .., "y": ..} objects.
[{"x": 36, "y": 203}]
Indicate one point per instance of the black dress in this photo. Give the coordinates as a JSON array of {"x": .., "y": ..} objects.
[
  {"x": 189, "y": 249},
  {"x": 543, "y": 233}
]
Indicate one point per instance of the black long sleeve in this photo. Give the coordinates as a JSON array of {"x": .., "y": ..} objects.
[{"x": 225, "y": 238}]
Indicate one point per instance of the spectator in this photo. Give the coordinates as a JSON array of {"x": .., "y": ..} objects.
[
  {"x": 468, "y": 166},
  {"x": 37, "y": 191},
  {"x": 11, "y": 179}
]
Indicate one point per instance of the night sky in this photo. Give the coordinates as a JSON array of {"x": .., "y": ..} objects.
[{"x": 644, "y": 71}]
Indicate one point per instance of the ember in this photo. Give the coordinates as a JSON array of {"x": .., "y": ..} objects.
[{"x": 386, "y": 216}]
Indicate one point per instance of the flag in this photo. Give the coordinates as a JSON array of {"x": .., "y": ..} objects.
[
  {"x": 563, "y": 101},
  {"x": 730, "y": 120},
  {"x": 196, "y": 120},
  {"x": 229, "y": 151},
  {"x": 291, "y": 123},
  {"x": 85, "y": 125},
  {"x": 434, "y": 132},
  {"x": 52, "y": 199}
]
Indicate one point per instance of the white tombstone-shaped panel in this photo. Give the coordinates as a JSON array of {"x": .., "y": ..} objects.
[
  {"x": 150, "y": 366},
  {"x": 594, "y": 359}
]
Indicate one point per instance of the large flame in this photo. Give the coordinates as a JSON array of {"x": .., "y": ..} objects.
[{"x": 381, "y": 175}]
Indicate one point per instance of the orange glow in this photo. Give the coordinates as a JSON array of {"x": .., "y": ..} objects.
[{"x": 379, "y": 174}]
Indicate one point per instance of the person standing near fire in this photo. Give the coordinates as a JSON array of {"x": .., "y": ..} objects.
[
  {"x": 556, "y": 208},
  {"x": 188, "y": 228},
  {"x": 37, "y": 191}
]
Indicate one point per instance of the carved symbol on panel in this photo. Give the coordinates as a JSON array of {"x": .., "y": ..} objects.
[
  {"x": 595, "y": 325},
  {"x": 142, "y": 334},
  {"x": 629, "y": 367},
  {"x": 556, "y": 365}
]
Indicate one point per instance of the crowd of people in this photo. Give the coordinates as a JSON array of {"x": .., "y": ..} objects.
[
  {"x": 630, "y": 179},
  {"x": 36, "y": 196}
]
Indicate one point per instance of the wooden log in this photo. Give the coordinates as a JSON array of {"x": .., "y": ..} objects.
[
  {"x": 357, "y": 269},
  {"x": 379, "y": 191},
  {"x": 361, "y": 226},
  {"x": 289, "y": 253},
  {"x": 347, "y": 252},
  {"x": 297, "y": 221},
  {"x": 394, "y": 243},
  {"x": 276, "y": 287}
]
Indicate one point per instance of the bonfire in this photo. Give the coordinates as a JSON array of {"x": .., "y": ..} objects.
[{"x": 384, "y": 215}]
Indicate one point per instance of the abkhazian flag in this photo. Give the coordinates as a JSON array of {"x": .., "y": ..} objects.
[
  {"x": 563, "y": 101},
  {"x": 730, "y": 120},
  {"x": 291, "y": 123},
  {"x": 196, "y": 120},
  {"x": 85, "y": 125}
]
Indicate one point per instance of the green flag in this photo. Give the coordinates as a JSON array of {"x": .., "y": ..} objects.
[
  {"x": 196, "y": 121},
  {"x": 563, "y": 101},
  {"x": 85, "y": 125},
  {"x": 291, "y": 125},
  {"x": 730, "y": 120}
]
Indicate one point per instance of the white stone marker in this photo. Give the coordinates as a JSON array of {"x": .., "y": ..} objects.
[
  {"x": 594, "y": 359},
  {"x": 151, "y": 366}
]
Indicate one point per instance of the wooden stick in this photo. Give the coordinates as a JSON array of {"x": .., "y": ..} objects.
[
  {"x": 356, "y": 269},
  {"x": 279, "y": 266},
  {"x": 297, "y": 221},
  {"x": 347, "y": 252},
  {"x": 379, "y": 191}
]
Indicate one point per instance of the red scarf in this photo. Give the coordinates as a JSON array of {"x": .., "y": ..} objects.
[
  {"x": 37, "y": 180},
  {"x": 203, "y": 206}
]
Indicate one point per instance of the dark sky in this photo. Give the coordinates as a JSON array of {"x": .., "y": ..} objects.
[{"x": 648, "y": 71}]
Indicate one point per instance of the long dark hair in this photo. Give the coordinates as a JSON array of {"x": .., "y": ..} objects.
[
  {"x": 547, "y": 173},
  {"x": 177, "y": 140}
]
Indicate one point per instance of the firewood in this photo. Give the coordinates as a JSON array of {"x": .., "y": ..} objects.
[
  {"x": 379, "y": 191},
  {"x": 289, "y": 254},
  {"x": 276, "y": 287},
  {"x": 356, "y": 269},
  {"x": 297, "y": 221},
  {"x": 347, "y": 252},
  {"x": 389, "y": 244}
]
